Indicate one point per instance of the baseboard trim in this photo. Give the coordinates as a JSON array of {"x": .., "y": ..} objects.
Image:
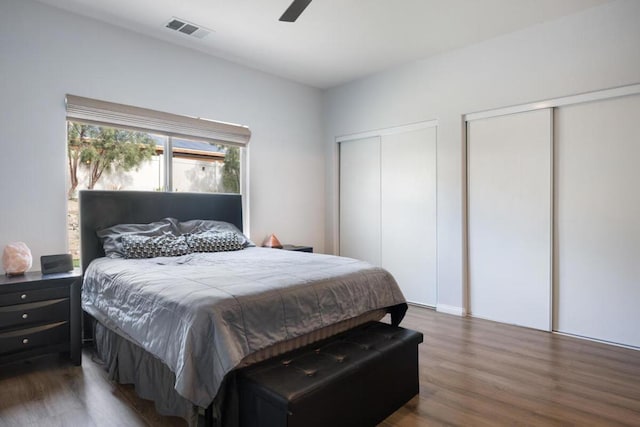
[
  {"x": 417, "y": 304},
  {"x": 451, "y": 309},
  {"x": 582, "y": 337}
]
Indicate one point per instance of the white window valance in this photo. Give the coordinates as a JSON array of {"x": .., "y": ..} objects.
[{"x": 103, "y": 113}]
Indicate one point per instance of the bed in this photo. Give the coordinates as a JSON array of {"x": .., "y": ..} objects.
[{"x": 178, "y": 327}]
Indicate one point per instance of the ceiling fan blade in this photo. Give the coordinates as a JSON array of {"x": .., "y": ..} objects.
[{"x": 294, "y": 10}]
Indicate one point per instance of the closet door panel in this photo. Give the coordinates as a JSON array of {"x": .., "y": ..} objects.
[
  {"x": 360, "y": 199},
  {"x": 510, "y": 218},
  {"x": 598, "y": 220},
  {"x": 409, "y": 212}
]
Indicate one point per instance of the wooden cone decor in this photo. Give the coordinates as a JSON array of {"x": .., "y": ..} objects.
[{"x": 272, "y": 242}]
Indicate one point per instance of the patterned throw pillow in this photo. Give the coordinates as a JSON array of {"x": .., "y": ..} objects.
[
  {"x": 111, "y": 237},
  {"x": 214, "y": 241},
  {"x": 135, "y": 247},
  {"x": 200, "y": 226}
]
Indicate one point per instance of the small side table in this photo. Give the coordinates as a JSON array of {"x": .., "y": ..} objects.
[
  {"x": 40, "y": 314},
  {"x": 297, "y": 248}
]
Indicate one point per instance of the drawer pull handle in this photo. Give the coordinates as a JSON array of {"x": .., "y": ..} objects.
[
  {"x": 25, "y": 315},
  {"x": 23, "y": 296},
  {"x": 25, "y": 341}
]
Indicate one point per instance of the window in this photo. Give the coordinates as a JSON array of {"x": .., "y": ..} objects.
[{"x": 117, "y": 147}]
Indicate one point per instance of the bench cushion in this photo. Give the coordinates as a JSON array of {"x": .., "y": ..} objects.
[{"x": 357, "y": 378}]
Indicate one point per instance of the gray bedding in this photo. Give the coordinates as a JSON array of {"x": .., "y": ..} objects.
[{"x": 201, "y": 314}]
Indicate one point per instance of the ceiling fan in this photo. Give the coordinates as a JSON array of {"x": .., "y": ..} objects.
[{"x": 294, "y": 10}]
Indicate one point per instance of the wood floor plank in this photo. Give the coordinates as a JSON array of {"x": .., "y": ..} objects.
[{"x": 473, "y": 372}]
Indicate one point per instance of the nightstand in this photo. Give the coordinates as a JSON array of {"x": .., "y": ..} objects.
[
  {"x": 297, "y": 248},
  {"x": 40, "y": 314}
]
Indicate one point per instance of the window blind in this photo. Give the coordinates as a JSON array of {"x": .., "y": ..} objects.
[{"x": 103, "y": 113}]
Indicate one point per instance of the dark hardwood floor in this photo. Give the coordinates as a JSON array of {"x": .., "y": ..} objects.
[{"x": 472, "y": 373}]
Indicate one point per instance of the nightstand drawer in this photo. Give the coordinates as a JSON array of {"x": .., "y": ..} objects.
[
  {"x": 35, "y": 312},
  {"x": 34, "y": 295},
  {"x": 38, "y": 336}
]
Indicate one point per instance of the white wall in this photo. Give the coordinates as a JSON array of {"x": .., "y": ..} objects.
[
  {"x": 596, "y": 49},
  {"x": 46, "y": 53}
]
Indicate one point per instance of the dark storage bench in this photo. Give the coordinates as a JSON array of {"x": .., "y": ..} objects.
[{"x": 357, "y": 378}]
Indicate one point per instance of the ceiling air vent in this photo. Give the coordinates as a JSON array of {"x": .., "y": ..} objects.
[{"x": 187, "y": 28}]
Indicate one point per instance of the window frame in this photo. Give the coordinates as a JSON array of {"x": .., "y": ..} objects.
[{"x": 109, "y": 114}]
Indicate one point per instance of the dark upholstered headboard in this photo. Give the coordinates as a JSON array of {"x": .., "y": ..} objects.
[{"x": 101, "y": 209}]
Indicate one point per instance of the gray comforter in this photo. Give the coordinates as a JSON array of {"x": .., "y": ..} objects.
[{"x": 201, "y": 314}]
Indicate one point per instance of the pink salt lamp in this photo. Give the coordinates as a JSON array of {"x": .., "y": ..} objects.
[{"x": 16, "y": 258}]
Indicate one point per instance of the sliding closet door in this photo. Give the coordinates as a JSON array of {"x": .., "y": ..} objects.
[
  {"x": 360, "y": 199},
  {"x": 598, "y": 219},
  {"x": 409, "y": 212},
  {"x": 509, "y": 218}
]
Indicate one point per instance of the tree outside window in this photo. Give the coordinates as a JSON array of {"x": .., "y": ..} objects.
[{"x": 102, "y": 150}]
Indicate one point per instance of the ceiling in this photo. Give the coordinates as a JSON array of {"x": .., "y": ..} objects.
[{"x": 333, "y": 41}]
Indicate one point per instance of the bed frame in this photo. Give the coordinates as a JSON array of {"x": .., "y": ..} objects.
[{"x": 102, "y": 209}]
